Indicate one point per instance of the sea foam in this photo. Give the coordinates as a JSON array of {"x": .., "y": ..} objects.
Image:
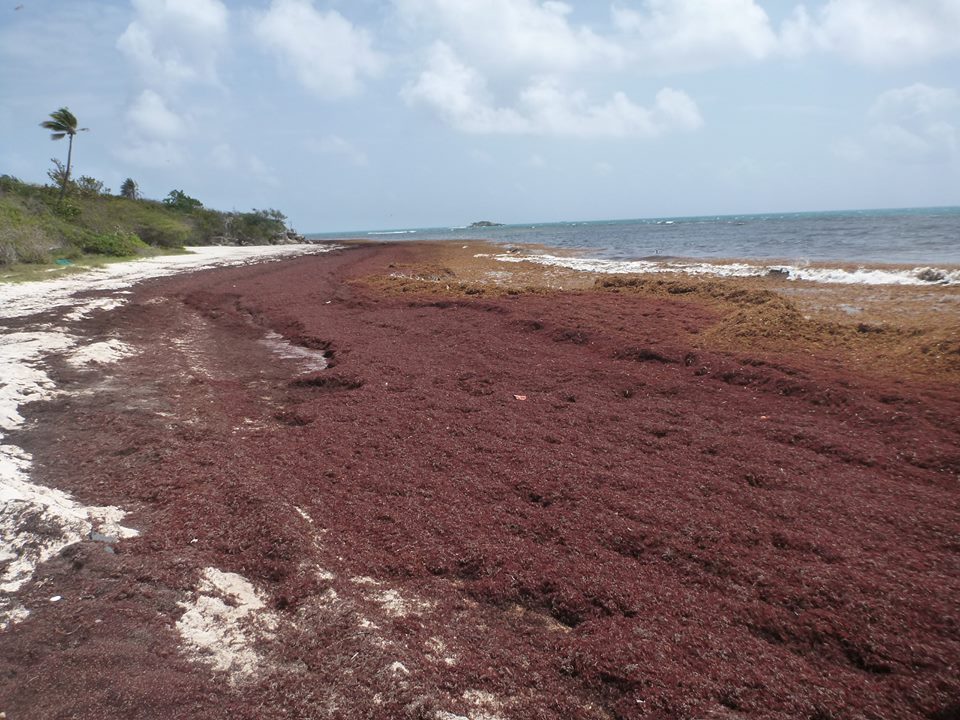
[{"x": 858, "y": 276}]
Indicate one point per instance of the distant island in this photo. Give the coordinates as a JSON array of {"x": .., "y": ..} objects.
[{"x": 485, "y": 223}]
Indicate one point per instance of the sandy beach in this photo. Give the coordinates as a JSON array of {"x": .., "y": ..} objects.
[{"x": 416, "y": 481}]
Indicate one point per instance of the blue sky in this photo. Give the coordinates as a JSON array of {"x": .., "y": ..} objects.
[{"x": 366, "y": 114}]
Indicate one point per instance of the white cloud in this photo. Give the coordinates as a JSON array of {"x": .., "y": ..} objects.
[
  {"x": 916, "y": 124},
  {"x": 150, "y": 117},
  {"x": 459, "y": 93},
  {"x": 915, "y": 102},
  {"x": 480, "y": 157},
  {"x": 153, "y": 132},
  {"x": 175, "y": 41},
  {"x": 528, "y": 37},
  {"x": 261, "y": 170},
  {"x": 226, "y": 157},
  {"x": 337, "y": 146},
  {"x": 150, "y": 153},
  {"x": 170, "y": 43},
  {"x": 513, "y": 35},
  {"x": 223, "y": 156},
  {"x": 877, "y": 32},
  {"x": 552, "y": 111},
  {"x": 680, "y": 35},
  {"x": 602, "y": 168},
  {"x": 902, "y": 144},
  {"x": 326, "y": 52}
]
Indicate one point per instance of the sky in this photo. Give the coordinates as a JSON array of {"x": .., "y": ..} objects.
[{"x": 384, "y": 114}]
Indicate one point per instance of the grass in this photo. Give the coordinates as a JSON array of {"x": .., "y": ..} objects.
[
  {"x": 33, "y": 272},
  {"x": 37, "y": 227}
]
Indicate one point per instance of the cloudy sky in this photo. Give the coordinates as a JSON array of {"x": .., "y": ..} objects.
[{"x": 363, "y": 114}]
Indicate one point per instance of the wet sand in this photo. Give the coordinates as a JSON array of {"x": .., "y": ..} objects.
[{"x": 629, "y": 497}]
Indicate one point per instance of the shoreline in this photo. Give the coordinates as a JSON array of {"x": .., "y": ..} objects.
[
  {"x": 24, "y": 350},
  {"x": 831, "y": 240},
  {"x": 840, "y": 272},
  {"x": 492, "y": 479},
  {"x": 896, "y": 329}
]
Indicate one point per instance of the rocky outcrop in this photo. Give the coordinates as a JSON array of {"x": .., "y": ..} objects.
[{"x": 288, "y": 237}]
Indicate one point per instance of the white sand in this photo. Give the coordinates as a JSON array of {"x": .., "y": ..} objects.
[
  {"x": 226, "y": 616},
  {"x": 37, "y": 522},
  {"x": 100, "y": 353},
  {"x": 224, "y": 621},
  {"x": 19, "y": 299}
]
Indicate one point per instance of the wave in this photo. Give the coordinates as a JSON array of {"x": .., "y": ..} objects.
[
  {"x": 859, "y": 276},
  {"x": 393, "y": 232}
]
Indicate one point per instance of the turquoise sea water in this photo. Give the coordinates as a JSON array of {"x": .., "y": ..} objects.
[{"x": 929, "y": 236}]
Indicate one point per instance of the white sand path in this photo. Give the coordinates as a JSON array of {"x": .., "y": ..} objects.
[{"x": 23, "y": 379}]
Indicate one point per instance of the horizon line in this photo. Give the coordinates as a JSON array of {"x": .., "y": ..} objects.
[{"x": 448, "y": 228}]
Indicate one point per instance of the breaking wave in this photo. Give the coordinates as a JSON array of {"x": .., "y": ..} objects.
[{"x": 858, "y": 276}]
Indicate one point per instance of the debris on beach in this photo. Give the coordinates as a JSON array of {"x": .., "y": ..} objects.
[{"x": 720, "y": 504}]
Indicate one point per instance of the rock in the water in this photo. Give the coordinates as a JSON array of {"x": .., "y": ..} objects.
[{"x": 931, "y": 275}]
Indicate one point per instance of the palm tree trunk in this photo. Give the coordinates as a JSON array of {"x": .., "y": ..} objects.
[{"x": 66, "y": 175}]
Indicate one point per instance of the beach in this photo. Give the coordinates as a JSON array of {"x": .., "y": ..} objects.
[{"x": 426, "y": 480}]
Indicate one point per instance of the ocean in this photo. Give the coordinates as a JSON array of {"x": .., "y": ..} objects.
[{"x": 824, "y": 246}]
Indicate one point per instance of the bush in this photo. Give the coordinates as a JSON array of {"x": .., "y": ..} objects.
[
  {"x": 90, "y": 187},
  {"x": 117, "y": 243},
  {"x": 69, "y": 252},
  {"x": 67, "y": 209},
  {"x": 258, "y": 227},
  {"x": 180, "y": 201},
  {"x": 161, "y": 232},
  {"x": 208, "y": 224},
  {"x": 24, "y": 244},
  {"x": 8, "y": 183}
]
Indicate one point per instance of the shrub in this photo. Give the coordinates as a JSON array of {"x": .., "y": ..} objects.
[
  {"x": 258, "y": 226},
  {"x": 8, "y": 183},
  {"x": 207, "y": 225},
  {"x": 67, "y": 209},
  {"x": 90, "y": 187},
  {"x": 117, "y": 243},
  {"x": 161, "y": 232},
  {"x": 69, "y": 252},
  {"x": 24, "y": 244},
  {"x": 59, "y": 177},
  {"x": 179, "y": 200}
]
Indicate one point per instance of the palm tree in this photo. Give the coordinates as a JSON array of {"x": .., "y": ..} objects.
[
  {"x": 130, "y": 190},
  {"x": 63, "y": 123}
]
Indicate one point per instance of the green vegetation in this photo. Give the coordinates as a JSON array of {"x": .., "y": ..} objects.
[
  {"x": 63, "y": 124},
  {"x": 73, "y": 220},
  {"x": 117, "y": 244},
  {"x": 129, "y": 190},
  {"x": 179, "y": 200},
  {"x": 38, "y": 225},
  {"x": 28, "y": 272}
]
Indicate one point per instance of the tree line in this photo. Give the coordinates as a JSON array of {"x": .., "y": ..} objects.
[{"x": 254, "y": 227}]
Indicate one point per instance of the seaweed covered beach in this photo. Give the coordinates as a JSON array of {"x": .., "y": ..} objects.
[{"x": 408, "y": 481}]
